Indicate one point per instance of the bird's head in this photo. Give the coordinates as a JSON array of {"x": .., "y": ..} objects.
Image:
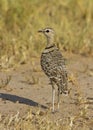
[{"x": 48, "y": 32}]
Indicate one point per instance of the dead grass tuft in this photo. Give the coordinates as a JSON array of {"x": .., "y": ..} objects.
[{"x": 41, "y": 120}]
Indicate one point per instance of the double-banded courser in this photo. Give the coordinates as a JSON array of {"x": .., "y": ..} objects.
[{"x": 53, "y": 64}]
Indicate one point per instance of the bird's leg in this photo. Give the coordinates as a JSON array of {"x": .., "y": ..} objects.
[
  {"x": 53, "y": 97},
  {"x": 58, "y": 98}
]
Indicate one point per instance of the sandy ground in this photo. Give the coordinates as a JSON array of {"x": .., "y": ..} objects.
[{"x": 29, "y": 88}]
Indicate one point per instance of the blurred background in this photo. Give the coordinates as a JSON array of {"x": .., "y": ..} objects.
[{"x": 20, "y": 20}]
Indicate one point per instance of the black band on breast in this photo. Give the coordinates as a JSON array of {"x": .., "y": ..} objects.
[{"x": 50, "y": 46}]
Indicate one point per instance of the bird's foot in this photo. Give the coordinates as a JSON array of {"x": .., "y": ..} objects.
[{"x": 55, "y": 111}]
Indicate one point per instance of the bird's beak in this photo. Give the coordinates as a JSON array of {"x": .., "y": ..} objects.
[{"x": 40, "y": 31}]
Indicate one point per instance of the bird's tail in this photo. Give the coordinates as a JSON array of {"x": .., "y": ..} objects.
[{"x": 63, "y": 85}]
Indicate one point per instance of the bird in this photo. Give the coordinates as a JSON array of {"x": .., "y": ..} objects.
[{"x": 53, "y": 65}]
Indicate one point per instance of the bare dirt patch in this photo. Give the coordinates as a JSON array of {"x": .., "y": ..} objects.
[{"x": 29, "y": 88}]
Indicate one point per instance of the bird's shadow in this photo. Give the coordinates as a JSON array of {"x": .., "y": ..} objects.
[{"x": 22, "y": 100}]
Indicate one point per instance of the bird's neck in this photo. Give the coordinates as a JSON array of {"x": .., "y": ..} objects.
[{"x": 50, "y": 42}]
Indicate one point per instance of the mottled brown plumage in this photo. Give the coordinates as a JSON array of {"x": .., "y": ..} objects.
[{"x": 53, "y": 64}]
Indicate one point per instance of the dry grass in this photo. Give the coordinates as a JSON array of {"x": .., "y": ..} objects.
[
  {"x": 40, "y": 120},
  {"x": 5, "y": 82},
  {"x": 19, "y": 22}
]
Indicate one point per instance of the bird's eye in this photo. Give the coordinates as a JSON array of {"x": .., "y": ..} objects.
[{"x": 47, "y": 31}]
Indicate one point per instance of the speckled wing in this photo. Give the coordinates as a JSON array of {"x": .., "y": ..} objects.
[{"x": 53, "y": 64}]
